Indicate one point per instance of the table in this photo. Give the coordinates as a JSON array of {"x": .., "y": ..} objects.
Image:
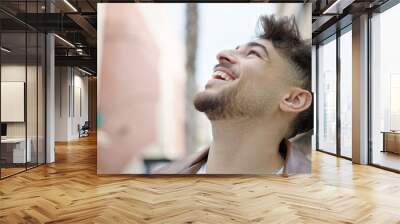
[
  {"x": 15, "y": 148},
  {"x": 391, "y": 141}
]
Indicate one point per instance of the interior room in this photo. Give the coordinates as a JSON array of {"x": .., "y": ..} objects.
[
  {"x": 385, "y": 74},
  {"x": 50, "y": 116},
  {"x": 22, "y": 102},
  {"x": 28, "y": 56}
]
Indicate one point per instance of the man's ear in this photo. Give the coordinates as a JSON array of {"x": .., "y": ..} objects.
[{"x": 296, "y": 101}]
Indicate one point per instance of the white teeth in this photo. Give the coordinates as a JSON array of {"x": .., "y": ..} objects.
[
  {"x": 222, "y": 75},
  {"x": 225, "y": 76}
]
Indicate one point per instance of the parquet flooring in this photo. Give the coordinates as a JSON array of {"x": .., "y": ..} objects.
[
  {"x": 69, "y": 191},
  {"x": 10, "y": 171}
]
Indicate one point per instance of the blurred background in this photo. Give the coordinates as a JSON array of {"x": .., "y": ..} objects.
[{"x": 152, "y": 59}]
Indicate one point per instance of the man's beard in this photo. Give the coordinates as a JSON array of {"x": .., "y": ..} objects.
[{"x": 226, "y": 104}]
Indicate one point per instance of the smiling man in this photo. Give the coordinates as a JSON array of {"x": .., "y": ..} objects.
[{"x": 258, "y": 98}]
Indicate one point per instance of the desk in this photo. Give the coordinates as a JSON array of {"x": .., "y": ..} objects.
[
  {"x": 391, "y": 141},
  {"x": 13, "y": 150}
]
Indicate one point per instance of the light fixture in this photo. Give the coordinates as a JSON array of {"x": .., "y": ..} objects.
[
  {"x": 84, "y": 71},
  {"x": 80, "y": 51},
  {"x": 5, "y": 50},
  {"x": 64, "y": 40},
  {"x": 328, "y": 10},
  {"x": 70, "y": 5},
  {"x": 337, "y": 7}
]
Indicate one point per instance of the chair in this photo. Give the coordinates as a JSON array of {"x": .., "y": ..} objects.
[{"x": 84, "y": 130}]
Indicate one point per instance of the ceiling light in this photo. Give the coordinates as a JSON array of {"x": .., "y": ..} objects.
[
  {"x": 65, "y": 41},
  {"x": 5, "y": 50},
  {"x": 338, "y": 6},
  {"x": 331, "y": 7},
  {"x": 70, "y": 5},
  {"x": 84, "y": 71}
]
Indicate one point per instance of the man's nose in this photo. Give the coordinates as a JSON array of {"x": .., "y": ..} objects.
[{"x": 226, "y": 57}]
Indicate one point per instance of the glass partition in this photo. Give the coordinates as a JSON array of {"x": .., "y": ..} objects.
[
  {"x": 385, "y": 89},
  {"x": 41, "y": 85},
  {"x": 346, "y": 93},
  {"x": 327, "y": 96},
  {"x": 31, "y": 100},
  {"x": 22, "y": 88},
  {"x": 14, "y": 153}
]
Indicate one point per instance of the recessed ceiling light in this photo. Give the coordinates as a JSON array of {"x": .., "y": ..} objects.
[
  {"x": 5, "y": 50},
  {"x": 337, "y": 7},
  {"x": 64, "y": 40},
  {"x": 70, "y": 5},
  {"x": 84, "y": 71}
]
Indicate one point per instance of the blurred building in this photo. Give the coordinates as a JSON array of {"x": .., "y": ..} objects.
[{"x": 141, "y": 92}]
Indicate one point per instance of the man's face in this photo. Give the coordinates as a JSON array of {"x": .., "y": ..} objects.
[{"x": 248, "y": 81}]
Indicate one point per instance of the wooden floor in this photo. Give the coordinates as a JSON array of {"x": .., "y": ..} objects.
[
  {"x": 10, "y": 171},
  {"x": 69, "y": 191},
  {"x": 388, "y": 159}
]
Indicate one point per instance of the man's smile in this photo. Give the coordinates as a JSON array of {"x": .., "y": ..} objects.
[
  {"x": 220, "y": 78},
  {"x": 229, "y": 74},
  {"x": 221, "y": 75}
]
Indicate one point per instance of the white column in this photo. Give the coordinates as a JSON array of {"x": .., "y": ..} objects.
[
  {"x": 50, "y": 99},
  {"x": 360, "y": 90},
  {"x": 314, "y": 88}
]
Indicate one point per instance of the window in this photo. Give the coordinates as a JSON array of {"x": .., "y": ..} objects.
[
  {"x": 346, "y": 93},
  {"x": 327, "y": 96},
  {"x": 385, "y": 89}
]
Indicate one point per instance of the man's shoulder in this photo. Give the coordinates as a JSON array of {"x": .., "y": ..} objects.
[
  {"x": 298, "y": 159},
  {"x": 188, "y": 165}
]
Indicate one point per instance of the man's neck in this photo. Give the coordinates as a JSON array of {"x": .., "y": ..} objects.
[{"x": 245, "y": 146}]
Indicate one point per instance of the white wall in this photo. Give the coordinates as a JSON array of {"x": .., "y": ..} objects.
[
  {"x": 12, "y": 73},
  {"x": 68, "y": 82},
  {"x": 80, "y": 84},
  {"x": 33, "y": 127},
  {"x": 61, "y": 103}
]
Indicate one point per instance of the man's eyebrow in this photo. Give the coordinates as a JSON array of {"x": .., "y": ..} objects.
[{"x": 255, "y": 44}]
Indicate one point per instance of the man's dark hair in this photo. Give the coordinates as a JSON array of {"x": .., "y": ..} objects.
[{"x": 285, "y": 37}]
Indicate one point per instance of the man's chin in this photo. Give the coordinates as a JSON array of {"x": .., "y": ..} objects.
[{"x": 205, "y": 100}]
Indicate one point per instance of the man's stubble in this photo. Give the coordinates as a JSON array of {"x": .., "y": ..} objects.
[{"x": 230, "y": 103}]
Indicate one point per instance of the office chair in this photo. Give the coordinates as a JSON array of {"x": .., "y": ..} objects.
[{"x": 84, "y": 130}]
